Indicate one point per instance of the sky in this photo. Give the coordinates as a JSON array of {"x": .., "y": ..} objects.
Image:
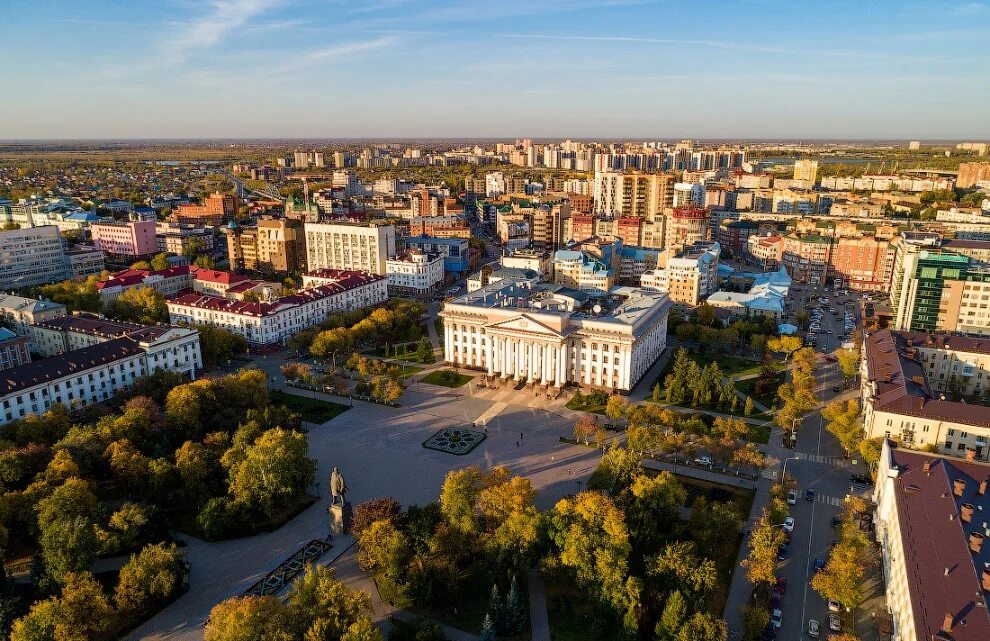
[{"x": 638, "y": 69}]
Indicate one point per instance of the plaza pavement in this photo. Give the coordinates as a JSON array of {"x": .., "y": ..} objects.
[{"x": 379, "y": 451}]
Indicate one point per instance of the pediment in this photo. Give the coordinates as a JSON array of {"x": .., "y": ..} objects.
[{"x": 525, "y": 324}]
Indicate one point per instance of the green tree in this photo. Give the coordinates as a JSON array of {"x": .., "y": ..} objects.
[
  {"x": 154, "y": 574},
  {"x": 703, "y": 627},
  {"x": 674, "y": 613},
  {"x": 515, "y": 611},
  {"x": 160, "y": 262},
  {"x": 140, "y": 305},
  {"x": 327, "y": 343},
  {"x": 274, "y": 473},
  {"x": 81, "y": 613},
  {"x": 321, "y": 607},
  {"x": 77, "y": 295},
  {"x": 383, "y": 550},
  {"x": 870, "y": 449},
  {"x": 218, "y": 345},
  {"x": 141, "y": 264},
  {"x": 654, "y": 506}
]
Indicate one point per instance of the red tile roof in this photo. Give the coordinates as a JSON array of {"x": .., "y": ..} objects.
[
  {"x": 944, "y": 576},
  {"x": 216, "y": 276}
]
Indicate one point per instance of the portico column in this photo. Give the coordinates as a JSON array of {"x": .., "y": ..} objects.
[
  {"x": 503, "y": 347},
  {"x": 534, "y": 351},
  {"x": 489, "y": 355},
  {"x": 448, "y": 342},
  {"x": 520, "y": 358}
]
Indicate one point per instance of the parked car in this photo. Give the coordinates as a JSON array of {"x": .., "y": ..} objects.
[
  {"x": 836, "y": 389},
  {"x": 781, "y": 586},
  {"x": 769, "y": 632},
  {"x": 703, "y": 460},
  {"x": 782, "y": 553},
  {"x": 834, "y": 622},
  {"x": 814, "y": 628},
  {"x": 833, "y": 605},
  {"x": 836, "y": 521},
  {"x": 861, "y": 478},
  {"x": 819, "y": 565},
  {"x": 789, "y": 524},
  {"x": 809, "y": 494},
  {"x": 777, "y": 618},
  {"x": 792, "y": 497}
]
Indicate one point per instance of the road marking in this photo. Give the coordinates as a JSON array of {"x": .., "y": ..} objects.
[
  {"x": 830, "y": 500},
  {"x": 821, "y": 458}
]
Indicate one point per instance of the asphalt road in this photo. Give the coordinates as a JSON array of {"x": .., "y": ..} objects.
[{"x": 816, "y": 463}]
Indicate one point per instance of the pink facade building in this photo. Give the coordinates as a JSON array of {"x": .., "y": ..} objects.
[{"x": 125, "y": 238}]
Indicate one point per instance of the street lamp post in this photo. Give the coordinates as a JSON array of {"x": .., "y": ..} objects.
[{"x": 783, "y": 471}]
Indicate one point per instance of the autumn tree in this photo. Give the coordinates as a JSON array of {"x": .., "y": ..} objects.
[
  {"x": 654, "y": 505},
  {"x": 274, "y": 473},
  {"x": 843, "y": 422},
  {"x": 141, "y": 305},
  {"x": 249, "y": 618},
  {"x": 615, "y": 408},
  {"x": 848, "y": 363},
  {"x": 81, "y": 613},
  {"x": 160, "y": 262},
  {"x": 785, "y": 345},
  {"x": 765, "y": 541},
  {"x": 590, "y": 539},
  {"x": 585, "y": 427}
]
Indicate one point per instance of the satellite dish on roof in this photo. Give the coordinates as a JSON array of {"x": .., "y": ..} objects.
[{"x": 597, "y": 308}]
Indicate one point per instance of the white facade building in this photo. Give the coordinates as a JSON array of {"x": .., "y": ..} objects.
[
  {"x": 271, "y": 323},
  {"x": 349, "y": 246},
  {"x": 688, "y": 277},
  {"x": 551, "y": 335},
  {"x": 32, "y": 256},
  {"x": 417, "y": 271},
  {"x": 96, "y": 373}
]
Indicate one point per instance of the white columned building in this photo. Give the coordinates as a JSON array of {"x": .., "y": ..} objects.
[{"x": 549, "y": 335}]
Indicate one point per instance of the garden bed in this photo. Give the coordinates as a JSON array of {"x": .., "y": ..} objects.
[
  {"x": 312, "y": 410},
  {"x": 454, "y": 440}
]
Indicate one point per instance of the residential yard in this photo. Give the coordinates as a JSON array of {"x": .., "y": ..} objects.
[
  {"x": 446, "y": 378},
  {"x": 312, "y": 410}
]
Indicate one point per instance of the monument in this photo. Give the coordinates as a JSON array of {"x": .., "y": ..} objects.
[{"x": 340, "y": 509}]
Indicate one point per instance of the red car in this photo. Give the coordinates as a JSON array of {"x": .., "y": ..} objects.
[
  {"x": 781, "y": 586},
  {"x": 830, "y": 358}
]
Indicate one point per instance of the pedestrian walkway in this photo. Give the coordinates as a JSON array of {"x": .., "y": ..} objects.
[
  {"x": 829, "y": 500},
  {"x": 490, "y": 413},
  {"x": 539, "y": 622},
  {"x": 834, "y": 461}
]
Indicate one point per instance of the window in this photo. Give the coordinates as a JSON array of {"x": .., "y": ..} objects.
[{"x": 948, "y": 445}]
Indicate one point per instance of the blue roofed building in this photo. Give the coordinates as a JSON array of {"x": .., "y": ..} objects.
[{"x": 454, "y": 251}]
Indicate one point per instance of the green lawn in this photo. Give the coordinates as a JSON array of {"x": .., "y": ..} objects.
[
  {"x": 446, "y": 378},
  {"x": 731, "y": 366},
  {"x": 404, "y": 352},
  {"x": 313, "y": 410},
  {"x": 594, "y": 408},
  {"x": 407, "y": 370},
  {"x": 767, "y": 399}
]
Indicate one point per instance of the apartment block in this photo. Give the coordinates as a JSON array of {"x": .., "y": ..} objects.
[
  {"x": 350, "y": 246},
  {"x": 125, "y": 238},
  {"x": 33, "y": 256}
]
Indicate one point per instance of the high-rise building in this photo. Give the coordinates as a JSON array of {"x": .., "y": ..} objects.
[
  {"x": 277, "y": 244},
  {"x": 548, "y": 225},
  {"x": 914, "y": 145},
  {"x": 971, "y": 173},
  {"x": 934, "y": 288},
  {"x": 686, "y": 226},
  {"x": 33, "y": 256},
  {"x": 349, "y": 246},
  {"x": 806, "y": 170},
  {"x": 688, "y": 276}
]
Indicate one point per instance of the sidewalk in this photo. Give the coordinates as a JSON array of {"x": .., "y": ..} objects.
[{"x": 538, "y": 621}]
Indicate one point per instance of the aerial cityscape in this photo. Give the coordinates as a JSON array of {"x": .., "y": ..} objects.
[{"x": 494, "y": 321}]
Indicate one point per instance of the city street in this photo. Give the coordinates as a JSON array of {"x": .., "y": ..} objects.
[{"x": 816, "y": 463}]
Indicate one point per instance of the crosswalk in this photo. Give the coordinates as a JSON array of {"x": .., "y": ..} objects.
[
  {"x": 835, "y": 461},
  {"x": 828, "y": 500}
]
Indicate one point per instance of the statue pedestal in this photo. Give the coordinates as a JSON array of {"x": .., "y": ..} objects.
[{"x": 340, "y": 518}]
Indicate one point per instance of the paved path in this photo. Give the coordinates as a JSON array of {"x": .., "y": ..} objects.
[
  {"x": 379, "y": 450},
  {"x": 539, "y": 623}
]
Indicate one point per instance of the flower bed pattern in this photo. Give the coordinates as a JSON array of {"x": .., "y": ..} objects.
[{"x": 454, "y": 440}]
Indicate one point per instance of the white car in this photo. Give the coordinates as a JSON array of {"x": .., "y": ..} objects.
[
  {"x": 834, "y": 623},
  {"x": 776, "y": 618},
  {"x": 792, "y": 497},
  {"x": 814, "y": 628},
  {"x": 833, "y": 605},
  {"x": 703, "y": 460},
  {"x": 789, "y": 524}
]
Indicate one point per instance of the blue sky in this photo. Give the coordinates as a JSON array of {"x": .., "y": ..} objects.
[{"x": 507, "y": 68}]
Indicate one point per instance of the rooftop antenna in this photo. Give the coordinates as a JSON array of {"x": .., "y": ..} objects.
[{"x": 305, "y": 193}]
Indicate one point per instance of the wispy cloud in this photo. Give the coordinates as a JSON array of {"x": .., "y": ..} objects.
[
  {"x": 208, "y": 30},
  {"x": 333, "y": 53}
]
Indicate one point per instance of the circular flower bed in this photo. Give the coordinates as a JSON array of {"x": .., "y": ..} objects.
[{"x": 454, "y": 440}]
